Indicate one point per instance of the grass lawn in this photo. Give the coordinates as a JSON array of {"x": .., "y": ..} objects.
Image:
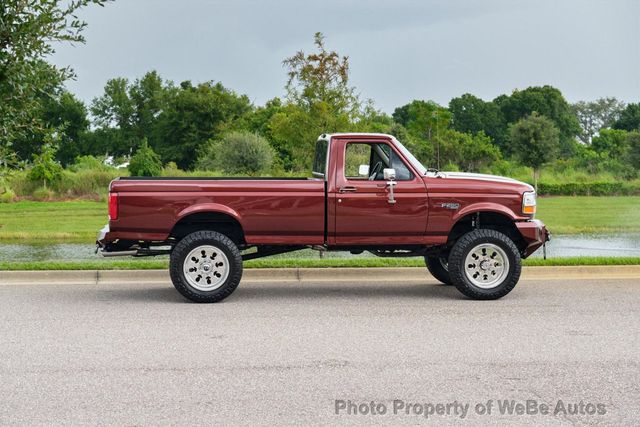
[
  {"x": 55, "y": 222},
  {"x": 583, "y": 214},
  {"x": 79, "y": 221}
]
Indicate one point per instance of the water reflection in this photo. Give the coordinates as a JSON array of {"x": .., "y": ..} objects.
[{"x": 617, "y": 245}]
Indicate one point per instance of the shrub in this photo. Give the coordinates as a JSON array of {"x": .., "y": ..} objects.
[
  {"x": 145, "y": 162},
  {"x": 45, "y": 168},
  {"x": 589, "y": 188},
  {"x": 84, "y": 163},
  {"x": 238, "y": 153},
  {"x": 8, "y": 196},
  {"x": 43, "y": 194},
  {"x": 85, "y": 184}
]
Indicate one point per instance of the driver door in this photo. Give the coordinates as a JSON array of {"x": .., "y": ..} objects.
[{"x": 364, "y": 214}]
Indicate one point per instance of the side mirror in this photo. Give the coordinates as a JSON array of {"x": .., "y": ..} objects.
[
  {"x": 389, "y": 174},
  {"x": 363, "y": 170}
]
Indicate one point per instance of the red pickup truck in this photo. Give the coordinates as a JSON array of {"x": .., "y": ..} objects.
[{"x": 367, "y": 193}]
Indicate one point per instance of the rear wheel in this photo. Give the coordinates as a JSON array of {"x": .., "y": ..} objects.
[
  {"x": 484, "y": 264},
  {"x": 438, "y": 267},
  {"x": 206, "y": 266}
]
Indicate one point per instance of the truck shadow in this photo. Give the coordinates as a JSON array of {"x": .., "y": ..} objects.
[
  {"x": 270, "y": 291},
  {"x": 253, "y": 292}
]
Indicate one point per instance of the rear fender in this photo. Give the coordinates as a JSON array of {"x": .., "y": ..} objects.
[{"x": 208, "y": 208}]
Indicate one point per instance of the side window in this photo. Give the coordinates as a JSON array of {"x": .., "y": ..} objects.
[
  {"x": 357, "y": 155},
  {"x": 320, "y": 159},
  {"x": 365, "y": 161},
  {"x": 403, "y": 173}
]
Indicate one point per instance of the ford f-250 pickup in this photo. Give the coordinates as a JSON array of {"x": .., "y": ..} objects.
[{"x": 367, "y": 193}]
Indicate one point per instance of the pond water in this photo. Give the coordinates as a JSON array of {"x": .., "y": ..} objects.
[{"x": 614, "y": 245}]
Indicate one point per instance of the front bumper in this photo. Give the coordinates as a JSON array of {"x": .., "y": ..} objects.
[{"x": 534, "y": 233}]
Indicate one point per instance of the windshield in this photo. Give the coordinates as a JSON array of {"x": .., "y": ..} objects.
[{"x": 415, "y": 162}]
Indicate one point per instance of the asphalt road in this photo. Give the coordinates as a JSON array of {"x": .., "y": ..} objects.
[{"x": 282, "y": 353}]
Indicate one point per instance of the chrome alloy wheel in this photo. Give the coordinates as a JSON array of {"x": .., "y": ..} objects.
[
  {"x": 206, "y": 268},
  {"x": 486, "y": 266}
]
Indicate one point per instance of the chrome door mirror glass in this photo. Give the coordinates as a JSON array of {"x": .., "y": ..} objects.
[
  {"x": 389, "y": 174},
  {"x": 363, "y": 170}
]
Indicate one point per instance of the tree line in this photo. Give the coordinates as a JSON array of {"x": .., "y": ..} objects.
[{"x": 209, "y": 126}]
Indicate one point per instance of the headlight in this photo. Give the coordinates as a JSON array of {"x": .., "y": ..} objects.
[{"x": 529, "y": 203}]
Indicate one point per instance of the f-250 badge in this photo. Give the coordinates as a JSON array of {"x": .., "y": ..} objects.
[{"x": 452, "y": 206}]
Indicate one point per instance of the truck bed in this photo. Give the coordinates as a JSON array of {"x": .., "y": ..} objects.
[{"x": 273, "y": 210}]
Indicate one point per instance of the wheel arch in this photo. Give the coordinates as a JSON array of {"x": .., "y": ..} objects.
[
  {"x": 210, "y": 216},
  {"x": 501, "y": 220}
]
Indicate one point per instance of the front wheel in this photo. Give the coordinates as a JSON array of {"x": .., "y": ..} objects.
[
  {"x": 484, "y": 264},
  {"x": 206, "y": 266}
]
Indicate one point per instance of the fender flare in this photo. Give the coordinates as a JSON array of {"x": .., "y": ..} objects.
[
  {"x": 208, "y": 208},
  {"x": 483, "y": 207}
]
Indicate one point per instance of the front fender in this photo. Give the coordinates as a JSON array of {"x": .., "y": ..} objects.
[{"x": 486, "y": 207}]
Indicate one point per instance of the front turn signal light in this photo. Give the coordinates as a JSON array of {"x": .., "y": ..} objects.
[{"x": 529, "y": 203}]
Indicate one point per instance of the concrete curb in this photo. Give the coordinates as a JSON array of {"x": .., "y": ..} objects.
[{"x": 302, "y": 275}]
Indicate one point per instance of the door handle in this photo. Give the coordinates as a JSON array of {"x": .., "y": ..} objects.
[{"x": 348, "y": 189}]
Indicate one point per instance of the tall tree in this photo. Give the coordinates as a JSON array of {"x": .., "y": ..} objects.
[
  {"x": 63, "y": 114},
  {"x": 535, "y": 141},
  {"x": 595, "y": 115},
  {"x": 28, "y": 31},
  {"x": 322, "y": 76},
  {"x": 546, "y": 101},
  {"x": 194, "y": 115},
  {"x": 128, "y": 112},
  {"x": 473, "y": 115}
]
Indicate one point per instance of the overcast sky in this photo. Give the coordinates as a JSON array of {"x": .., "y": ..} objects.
[{"x": 399, "y": 49}]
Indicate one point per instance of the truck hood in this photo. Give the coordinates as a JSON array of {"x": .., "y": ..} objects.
[
  {"x": 481, "y": 176},
  {"x": 476, "y": 181}
]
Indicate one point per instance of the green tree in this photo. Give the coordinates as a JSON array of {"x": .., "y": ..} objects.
[
  {"x": 610, "y": 142},
  {"x": 45, "y": 168},
  {"x": 63, "y": 112},
  {"x": 633, "y": 141},
  {"x": 113, "y": 112},
  {"x": 145, "y": 162},
  {"x": 295, "y": 129},
  {"x": 629, "y": 118},
  {"x": 426, "y": 122},
  {"x": 472, "y": 153},
  {"x": 595, "y": 115},
  {"x": 194, "y": 115},
  {"x": 473, "y": 115},
  {"x": 322, "y": 76},
  {"x": 28, "y": 32},
  {"x": 128, "y": 111},
  {"x": 241, "y": 153},
  {"x": 535, "y": 141},
  {"x": 149, "y": 96},
  {"x": 546, "y": 101}
]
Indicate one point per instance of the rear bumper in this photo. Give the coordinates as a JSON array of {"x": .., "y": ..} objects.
[
  {"x": 101, "y": 240},
  {"x": 535, "y": 234}
]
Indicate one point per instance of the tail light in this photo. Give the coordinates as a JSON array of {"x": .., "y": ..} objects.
[{"x": 113, "y": 206}]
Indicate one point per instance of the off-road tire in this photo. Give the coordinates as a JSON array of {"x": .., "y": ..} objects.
[
  {"x": 459, "y": 254},
  {"x": 192, "y": 241},
  {"x": 437, "y": 270}
]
